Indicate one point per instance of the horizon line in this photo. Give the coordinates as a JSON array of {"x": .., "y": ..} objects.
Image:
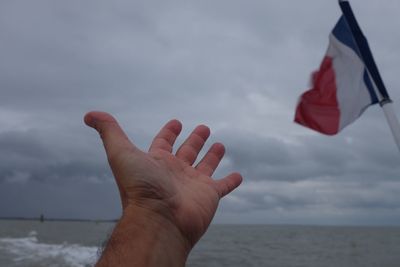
[{"x": 56, "y": 219}]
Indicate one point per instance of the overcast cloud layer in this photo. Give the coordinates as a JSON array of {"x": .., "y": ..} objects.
[{"x": 237, "y": 66}]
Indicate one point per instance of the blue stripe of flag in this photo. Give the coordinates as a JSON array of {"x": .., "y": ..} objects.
[{"x": 343, "y": 33}]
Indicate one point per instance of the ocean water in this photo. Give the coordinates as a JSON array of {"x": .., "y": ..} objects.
[{"x": 76, "y": 244}]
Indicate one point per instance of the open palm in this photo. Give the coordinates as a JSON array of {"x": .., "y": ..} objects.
[{"x": 167, "y": 184}]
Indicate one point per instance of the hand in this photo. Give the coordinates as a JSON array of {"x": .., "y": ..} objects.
[{"x": 167, "y": 188}]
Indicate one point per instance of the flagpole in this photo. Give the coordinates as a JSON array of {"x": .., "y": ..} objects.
[{"x": 384, "y": 100}]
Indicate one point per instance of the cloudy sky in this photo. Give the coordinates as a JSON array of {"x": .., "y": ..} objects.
[{"x": 237, "y": 66}]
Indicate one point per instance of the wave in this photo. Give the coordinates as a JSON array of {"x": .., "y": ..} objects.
[{"x": 28, "y": 250}]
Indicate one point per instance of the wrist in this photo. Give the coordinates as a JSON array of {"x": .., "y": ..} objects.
[{"x": 143, "y": 237}]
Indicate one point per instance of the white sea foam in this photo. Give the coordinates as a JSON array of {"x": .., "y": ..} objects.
[{"x": 28, "y": 249}]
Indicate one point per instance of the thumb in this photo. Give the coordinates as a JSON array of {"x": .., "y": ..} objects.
[{"x": 114, "y": 139}]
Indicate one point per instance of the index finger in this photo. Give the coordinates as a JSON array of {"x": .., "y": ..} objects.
[{"x": 165, "y": 139}]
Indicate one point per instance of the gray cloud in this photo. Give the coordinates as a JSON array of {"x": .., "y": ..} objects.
[
  {"x": 238, "y": 67},
  {"x": 26, "y": 154}
]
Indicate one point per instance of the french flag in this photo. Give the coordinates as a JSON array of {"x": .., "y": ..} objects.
[{"x": 342, "y": 89}]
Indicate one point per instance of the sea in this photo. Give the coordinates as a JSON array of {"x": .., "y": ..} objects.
[{"x": 77, "y": 244}]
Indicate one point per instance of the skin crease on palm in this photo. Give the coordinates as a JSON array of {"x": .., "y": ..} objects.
[{"x": 165, "y": 185}]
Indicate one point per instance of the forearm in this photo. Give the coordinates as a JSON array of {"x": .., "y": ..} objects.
[{"x": 141, "y": 238}]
